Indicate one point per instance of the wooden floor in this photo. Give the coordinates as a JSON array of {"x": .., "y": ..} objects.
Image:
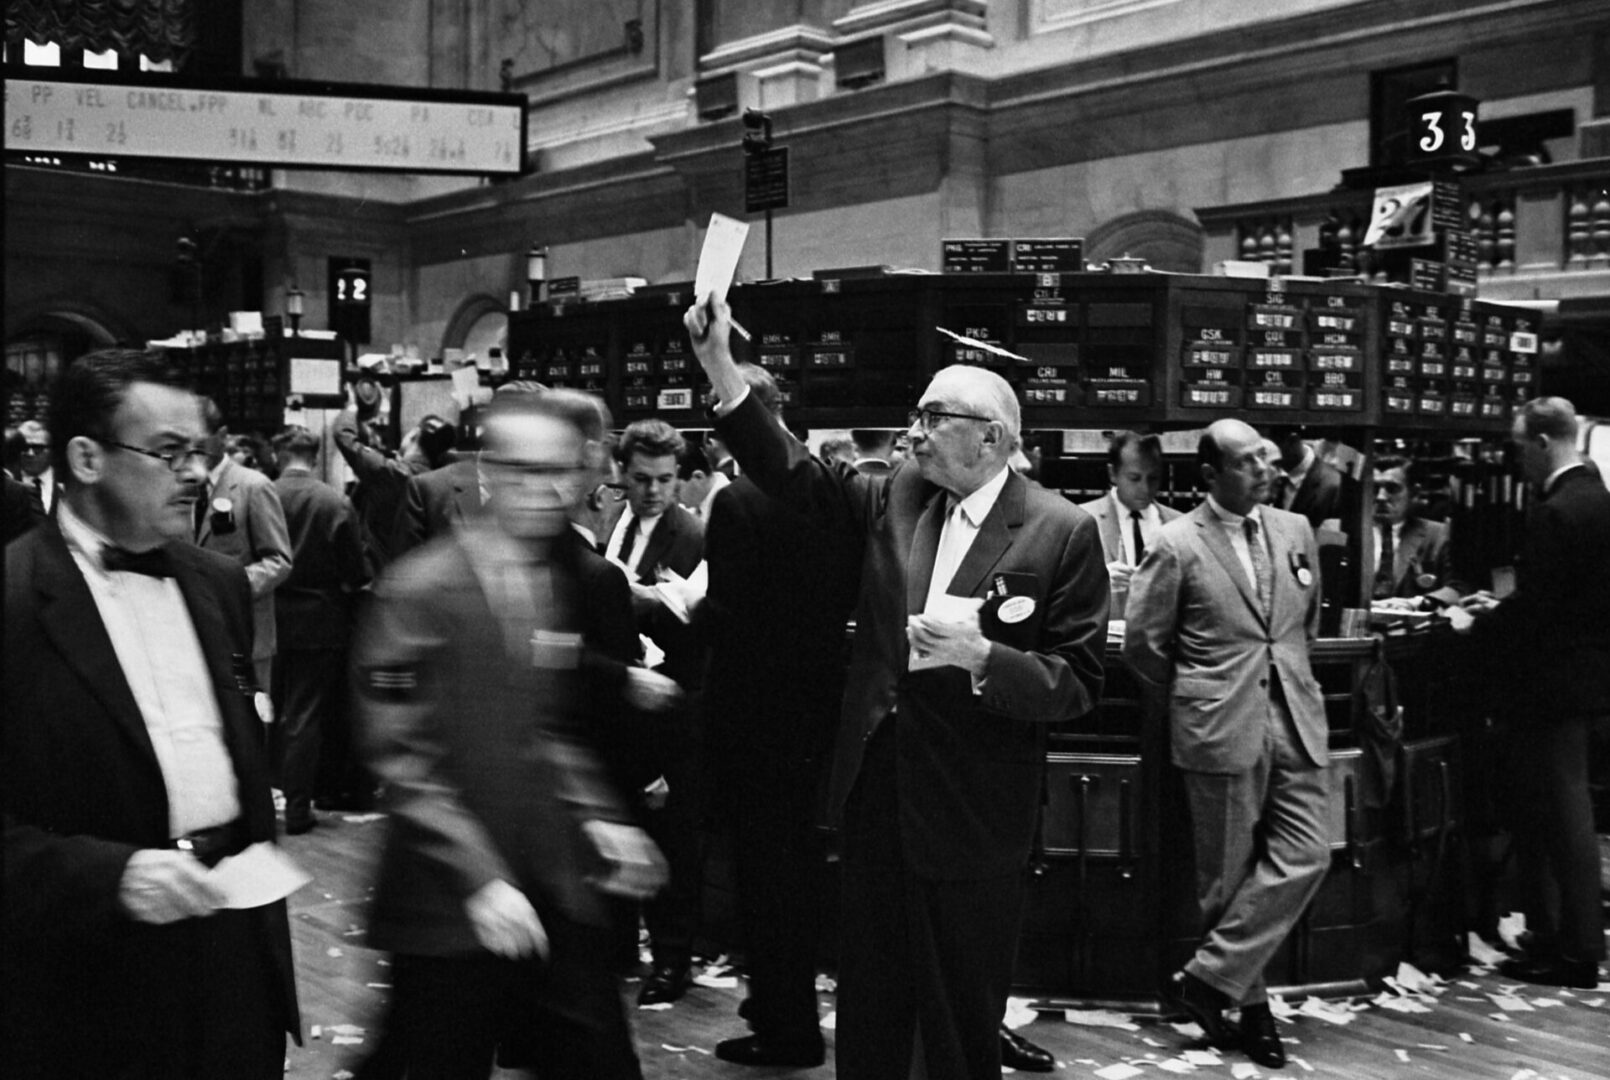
[{"x": 1464, "y": 1036}]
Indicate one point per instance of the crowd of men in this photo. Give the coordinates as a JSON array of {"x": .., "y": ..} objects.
[{"x": 559, "y": 657}]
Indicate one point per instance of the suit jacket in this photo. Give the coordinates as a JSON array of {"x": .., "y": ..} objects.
[
  {"x": 677, "y": 544},
  {"x": 18, "y": 510},
  {"x": 1422, "y": 552},
  {"x": 1198, "y": 639},
  {"x": 252, "y": 533},
  {"x": 1320, "y": 496},
  {"x": 83, "y": 792},
  {"x": 435, "y": 502},
  {"x": 483, "y": 752},
  {"x": 378, "y": 494},
  {"x": 313, "y": 606},
  {"x": 1554, "y": 629},
  {"x": 968, "y": 764},
  {"x": 1112, "y": 544}
]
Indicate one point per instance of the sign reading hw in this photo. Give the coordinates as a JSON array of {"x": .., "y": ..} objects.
[{"x": 322, "y": 125}]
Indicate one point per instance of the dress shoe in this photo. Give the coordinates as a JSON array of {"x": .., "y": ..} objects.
[
  {"x": 1552, "y": 971},
  {"x": 759, "y": 1050},
  {"x": 1259, "y": 1040},
  {"x": 1205, "y": 1005},
  {"x": 1020, "y": 1054},
  {"x": 668, "y": 983}
]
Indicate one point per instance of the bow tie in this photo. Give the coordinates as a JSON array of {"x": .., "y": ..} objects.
[{"x": 153, "y": 563}]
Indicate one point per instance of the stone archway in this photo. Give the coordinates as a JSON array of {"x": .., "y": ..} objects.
[
  {"x": 481, "y": 321},
  {"x": 1166, "y": 240}
]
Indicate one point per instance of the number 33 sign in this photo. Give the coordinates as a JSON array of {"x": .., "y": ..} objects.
[
  {"x": 1402, "y": 217},
  {"x": 1442, "y": 128}
]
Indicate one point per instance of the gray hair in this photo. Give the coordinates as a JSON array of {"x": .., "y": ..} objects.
[{"x": 983, "y": 391}]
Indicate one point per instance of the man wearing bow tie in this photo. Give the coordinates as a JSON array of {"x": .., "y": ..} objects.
[
  {"x": 134, "y": 761},
  {"x": 1220, "y": 617}
]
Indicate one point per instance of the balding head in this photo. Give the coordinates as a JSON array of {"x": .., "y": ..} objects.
[
  {"x": 1231, "y": 457},
  {"x": 969, "y": 425}
]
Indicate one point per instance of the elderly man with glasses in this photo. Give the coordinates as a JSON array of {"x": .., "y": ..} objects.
[{"x": 981, "y": 619}]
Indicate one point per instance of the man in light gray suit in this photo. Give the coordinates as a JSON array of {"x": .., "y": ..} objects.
[
  {"x": 1129, "y": 516},
  {"x": 1220, "y": 618}
]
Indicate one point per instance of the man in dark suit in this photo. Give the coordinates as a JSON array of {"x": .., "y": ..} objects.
[
  {"x": 874, "y": 450},
  {"x": 977, "y": 624},
  {"x": 1310, "y": 487},
  {"x": 656, "y": 534},
  {"x": 239, "y": 515},
  {"x": 780, "y": 591},
  {"x": 134, "y": 761},
  {"x": 313, "y": 615},
  {"x": 471, "y": 678},
  {"x": 1129, "y": 516},
  {"x": 17, "y": 515},
  {"x": 1553, "y": 632},
  {"x": 1220, "y": 619},
  {"x": 439, "y": 500},
  {"x": 1412, "y": 555},
  {"x": 382, "y": 476}
]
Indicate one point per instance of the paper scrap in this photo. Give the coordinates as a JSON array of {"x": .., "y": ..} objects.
[
  {"x": 1202, "y": 1057},
  {"x": 1481, "y": 952},
  {"x": 1281, "y": 1008},
  {"x": 1190, "y": 1029},
  {"x": 1324, "y": 1010},
  {"x": 830, "y": 1022},
  {"x": 1175, "y": 1065},
  {"x": 347, "y": 1040},
  {"x": 378, "y": 986},
  {"x": 717, "y": 982},
  {"x": 1099, "y": 1018},
  {"x": 1119, "y": 1071},
  {"x": 1149, "y": 1041},
  {"x": 718, "y": 258},
  {"x": 1547, "y": 1003},
  {"x": 1431, "y": 1046},
  {"x": 1301, "y": 1063},
  {"x": 1403, "y": 1055},
  {"x": 1511, "y": 927},
  {"x": 316, "y": 1031},
  {"x": 658, "y": 1006},
  {"x": 984, "y": 346},
  {"x": 1510, "y": 1003},
  {"x": 1019, "y": 1012},
  {"x": 342, "y": 1074},
  {"x": 257, "y": 876},
  {"x": 1242, "y": 1070},
  {"x": 345, "y": 1029},
  {"x": 333, "y": 951},
  {"x": 1593, "y": 1003},
  {"x": 361, "y": 819},
  {"x": 1465, "y": 1036}
]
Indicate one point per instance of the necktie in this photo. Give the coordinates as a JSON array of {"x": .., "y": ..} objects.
[
  {"x": 1140, "y": 544},
  {"x": 1262, "y": 573},
  {"x": 1385, "y": 569},
  {"x": 200, "y": 510},
  {"x": 628, "y": 542},
  {"x": 152, "y": 563}
]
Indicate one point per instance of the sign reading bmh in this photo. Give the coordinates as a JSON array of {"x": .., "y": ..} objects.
[{"x": 1401, "y": 218}]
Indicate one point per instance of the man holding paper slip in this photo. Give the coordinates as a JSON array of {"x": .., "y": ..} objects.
[{"x": 981, "y": 618}]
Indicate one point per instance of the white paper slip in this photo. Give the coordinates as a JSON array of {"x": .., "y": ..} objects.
[
  {"x": 257, "y": 876},
  {"x": 1241, "y": 1070},
  {"x": 1119, "y": 1071},
  {"x": 1510, "y": 1003},
  {"x": 1202, "y": 1057},
  {"x": 718, "y": 259},
  {"x": 717, "y": 982},
  {"x": 1099, "y": 1018},
  {"x": 466, "y": 380}
]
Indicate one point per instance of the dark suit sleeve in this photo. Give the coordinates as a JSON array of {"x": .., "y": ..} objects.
[
  {"x": 1552, "y": 575},
  {"x": 270, "y": 539},
  {"x": 411, "y": 527},
  {"x": 784, "y": 469},
  {"x": 61, "y": 886},
  {"x": 352, "y": 569}
]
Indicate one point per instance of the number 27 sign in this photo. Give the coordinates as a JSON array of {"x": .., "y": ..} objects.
[{"x": 1402, "y": 217}]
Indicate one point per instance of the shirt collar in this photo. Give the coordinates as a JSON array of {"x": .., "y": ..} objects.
[
  {"x": 1300, "y": 473},
  {"x": 976, "y": 507},
  {"x": 1548, "y": 484},
  {"x": 217, "y": 471},
  {"x": 81, "y": 536},
  {"x": 1233, "y": 520},
  {"x": 1150, "y": 514},
  {"x": 585, "y": 533}
]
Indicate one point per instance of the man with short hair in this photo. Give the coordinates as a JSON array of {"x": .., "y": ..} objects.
[
  {"x": 313, "y": 611},
  {"x": 1129, "y": 516},
  {"x": 874, "y": 450},
  {"x": 1310, "y": 487},
  {"x": 1552, "y": 634},
  {"x": 34, "y": 466},
  {"x": 980, "y": 620},
  {"x": 239, "y": 515},
  {"x": 382, "y": 475},
  {"x": 133, "y": 761},
  {"x": 655, "y": 534},
  {"x": 1221, "y": 616},
  {"x": 1412, "y": 556}
]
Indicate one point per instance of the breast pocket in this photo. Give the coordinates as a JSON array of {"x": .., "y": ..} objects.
[{"x": 1015, "y": 613}]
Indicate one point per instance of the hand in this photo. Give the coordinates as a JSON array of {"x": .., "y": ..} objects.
[
  {"x": 637, "y": 870},
  {"x": 709, "y": 324},
  {"x": 649, "y": 691},
  {"x": 504, "y": 921},
  {"x": 1119, "y": 573},
  {"x": 957, "y": 643},
  {"x": 160, "y": 886},
  {"x": 655, "y": 794},
  {"x": 646, "y": 592},
  {"x": 1480, "y": 603}
]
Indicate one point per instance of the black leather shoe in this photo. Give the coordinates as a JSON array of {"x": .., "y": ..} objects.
[
  {"x": 1020, "y": 1054},
  {"x": 1202, "y": 1003},
  {"x": 1553, "y": 971},
  {"x": 1259, "y": 1040},
  {"x": 666, "y": 984},
  {"x": 759, "y": 1050}
]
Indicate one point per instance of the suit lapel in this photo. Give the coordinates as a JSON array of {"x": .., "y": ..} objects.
[
  {"x": 1211, "y": 529},
  {"x": 73, "y": 623},
  {"x": 466, "y": 493},
  {"x": 1112, "y": 544},
  {"x": 1280, "y": 575},
  {"x": 659, "y": 542},
  {"x": 1407, "y": 553},
  {"x": 242, "y": 731},
  {"x": 994, "y": 537},
  {"x": 924, "y": 547}
]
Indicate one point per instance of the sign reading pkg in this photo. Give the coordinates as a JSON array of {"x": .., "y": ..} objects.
[{"x": 1401, "y": 218}]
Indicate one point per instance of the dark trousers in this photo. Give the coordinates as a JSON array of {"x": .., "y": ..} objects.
[
  {"x": 312, "y": 686},
  {"x": 916, "y": 956},
  {"x": 1557, "y": 850},
  {"x": 779, "y": 861},
  {"x": 672, "y": 916}
]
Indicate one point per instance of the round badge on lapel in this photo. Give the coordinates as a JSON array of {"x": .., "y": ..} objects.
[
  {"x": 222, "y": 505},
  {"x": 1016, "y": 609},
  {"x": 1425, "y": 581},
  {"x": 1305, "y": 576}
]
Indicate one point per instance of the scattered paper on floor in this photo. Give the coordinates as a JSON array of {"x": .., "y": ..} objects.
[
  {"x": 1099, "y": 1018},
  {"x": 1119, "y": 1071}
]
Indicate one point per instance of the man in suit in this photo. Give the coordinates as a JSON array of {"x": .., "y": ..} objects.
[
  {"x": 874, "y": 450},
  {"x": 780, "y": 591},
  {"x": 31, "y": 447},
  {"x": 239, "y": 514},
  {"x": 471, "y": 680},
  {"x": 1553, "y": 634},
  {"x": 656, "y": 533},
  {"x": 1311, "y": 487},
  {"x": 382, "y": 476},
  {"x": 1412, "y": 554},
  {"x": 439, "y": 500},
  {"x": 313, "y": 618},
  {"x": 1129, "y": 516},
  {"x": 1220, "y": 618},
  {"x": 134, "y": 761},
  {"x": 977, "y": 624},
  {"x": 16, "y": 513}
]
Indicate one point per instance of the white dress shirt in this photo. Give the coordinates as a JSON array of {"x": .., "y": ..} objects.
[
  {"x": 960, "y": 529},
  {"x": 160, "y": 655},
  {"x": 645, "y": 529},
  {"x": 1238, "y": 537},
  {"x": 1151, "y": 521}
]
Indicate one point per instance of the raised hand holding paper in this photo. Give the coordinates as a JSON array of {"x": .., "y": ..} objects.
[{"x": 718, "y": 260}]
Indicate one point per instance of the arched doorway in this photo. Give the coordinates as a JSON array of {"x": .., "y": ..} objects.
[
  {"x": 1164, "y": 239},
  {"x": 37, "y": 352},
  {"x": 480, "y": 325}
]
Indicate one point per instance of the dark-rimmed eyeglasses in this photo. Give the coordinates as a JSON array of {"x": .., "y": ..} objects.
[
  {"x": 175, "y": 460},
  {"x": 36, "y": 448},
  {"x": 926, "y": 418}
]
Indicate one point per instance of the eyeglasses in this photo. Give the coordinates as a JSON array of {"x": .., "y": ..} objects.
[
  {"x": 175, "y": 460},
  {"x": 561, "y": 478},
  {"x": 36, "y": 448},
  {"x": 927, "y": 417}
]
